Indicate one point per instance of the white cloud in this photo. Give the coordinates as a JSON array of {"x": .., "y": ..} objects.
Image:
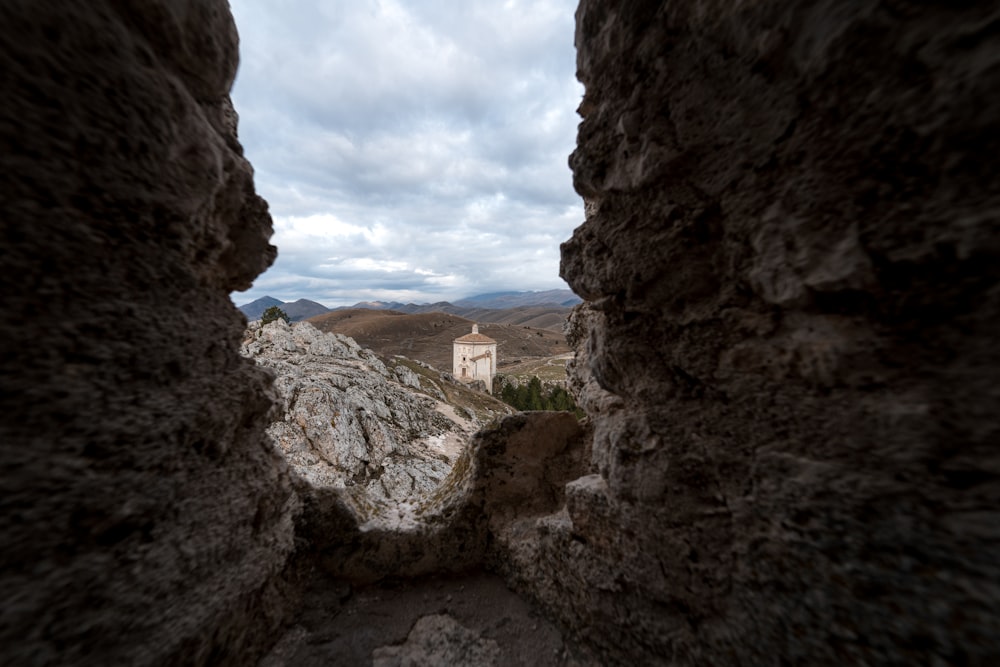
[{"x": 409, "y": 147}]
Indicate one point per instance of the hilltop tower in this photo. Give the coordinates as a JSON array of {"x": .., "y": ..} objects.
[{"x": 474, "y": 357}]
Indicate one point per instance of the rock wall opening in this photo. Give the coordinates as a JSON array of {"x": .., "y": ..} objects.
[{"x": 787, "y": 352}]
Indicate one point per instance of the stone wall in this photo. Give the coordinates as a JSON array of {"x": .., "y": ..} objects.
[
  {"x": 144, "y": 515},
  {"x": 788, "y": 350}
]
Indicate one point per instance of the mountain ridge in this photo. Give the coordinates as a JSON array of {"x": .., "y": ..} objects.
[
  {"x": 542, "y": 310},
  {"x": 255, "y": 309}
]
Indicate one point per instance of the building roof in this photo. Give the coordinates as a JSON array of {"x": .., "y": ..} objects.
[{"x": 475, "y": 338}]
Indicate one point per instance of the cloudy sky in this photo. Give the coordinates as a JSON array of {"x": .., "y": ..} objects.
[{"x": 411, "y": 150}]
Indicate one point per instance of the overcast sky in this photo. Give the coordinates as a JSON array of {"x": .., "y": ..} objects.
[{"x": 410, "y": 150}]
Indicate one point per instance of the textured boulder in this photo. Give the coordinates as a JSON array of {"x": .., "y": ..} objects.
[
  {"x": 788, "y": 350},
  {"x": 145, "y": 516},
  {"x": 439, "y": 640},
  {"x": 345, "y": 421}
]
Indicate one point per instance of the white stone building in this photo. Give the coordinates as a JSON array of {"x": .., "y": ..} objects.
[{"x": 474, "y": 358}]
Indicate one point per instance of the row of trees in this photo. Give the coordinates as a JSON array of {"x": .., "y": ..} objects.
[{"x": 533, "y": 396}]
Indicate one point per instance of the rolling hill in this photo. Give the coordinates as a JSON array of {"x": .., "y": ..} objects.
[
  {"x": 255, "y": 309},
  {"x": 504, "y": 300},
  {"x": 296, "y": 310},
  {"x": 494, "y": 301},
  {"x": 303, "y": 309},
  {"x": 537, "y": 317},
  {"x": 550, "y": 317},
  {"x": 428, "y": 337},
  {"x": 539, "y": 310}
]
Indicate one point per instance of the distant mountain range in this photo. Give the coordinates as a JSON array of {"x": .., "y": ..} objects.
[
  {"x": 559, "y": 297},
  {"x": 255, "y": 309},
  {"x": 492, "y": 301},
  {"x": 545, "y": 310}
]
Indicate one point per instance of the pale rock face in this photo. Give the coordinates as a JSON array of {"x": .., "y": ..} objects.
[
  {"x": 407, "y": 377},
  {"x": 345, "y": 421}
]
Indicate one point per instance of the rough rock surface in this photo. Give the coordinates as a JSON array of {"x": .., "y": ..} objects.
[
  {"x": 144, "y": 514},
  {"x": 788, "y": 350},
  {"x": 347, "y": 421},
  {"x": 507, "y": 483},
  {"x": 506, "y": 476},
  {"x": 438, "y": 639}
]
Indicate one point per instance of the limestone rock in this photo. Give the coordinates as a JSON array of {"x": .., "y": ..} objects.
[
  {"x": 407, "y": 377},
  {"x": 346, "y": 422},
  {"x": 439, "y": 640}
]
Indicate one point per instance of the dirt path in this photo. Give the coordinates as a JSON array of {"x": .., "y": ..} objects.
[{"x": 469, "y": 619}]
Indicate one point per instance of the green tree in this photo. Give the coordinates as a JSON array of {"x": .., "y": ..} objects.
[
  {"x": 535, "y": 401},
  {"x": 521, "y": 397},
  {"x": 560, "y": 399},
  {"x": 273, "y": 313},
  {"x": 509, "y": 395}
]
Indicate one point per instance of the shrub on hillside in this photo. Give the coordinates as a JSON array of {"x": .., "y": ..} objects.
[{"x": 273, "y": 313}]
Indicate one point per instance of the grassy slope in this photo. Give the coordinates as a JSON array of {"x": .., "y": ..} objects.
[
  {"x": 549, "y": 369},
  {"x": 537, "y": 317}
]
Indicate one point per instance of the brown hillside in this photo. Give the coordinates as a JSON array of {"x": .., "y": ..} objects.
[
  {"x": 537, "y": 317},
  {"x": 428, "y": 336}
]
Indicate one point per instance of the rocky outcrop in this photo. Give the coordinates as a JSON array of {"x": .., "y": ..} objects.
[
  {"x": 145, "y": 516},
  {"x": 787, "y": 351},
  {"x": 505, "y": 478},
  {"x": 346, "y": 421}
]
